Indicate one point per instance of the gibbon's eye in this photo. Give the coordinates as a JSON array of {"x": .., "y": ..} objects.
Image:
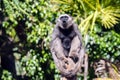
[{"x": 64, "y": 19}]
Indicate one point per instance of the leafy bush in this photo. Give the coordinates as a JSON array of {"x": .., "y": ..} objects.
[{"x": 28, "y": 24}]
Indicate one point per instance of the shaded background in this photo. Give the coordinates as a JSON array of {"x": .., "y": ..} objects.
[{"x": 26, "y": 26}]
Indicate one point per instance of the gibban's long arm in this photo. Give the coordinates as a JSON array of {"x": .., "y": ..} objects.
[
  {"x": 58, "y": 53},
  {"x": 57, "y": 49},
  {"x": 77, "y": 49},
  {"x": 78, "y": 64},
  {"x": 56, "y": 45},
  {"x": 82, "y": 61}
]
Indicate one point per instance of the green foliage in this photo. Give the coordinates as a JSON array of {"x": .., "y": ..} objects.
[
  {"x": 33, "y": 20},
  {"x": 28, "y": 24},
  {"x": 6, "y": 75},
  {"x": 104, "y": 45}
]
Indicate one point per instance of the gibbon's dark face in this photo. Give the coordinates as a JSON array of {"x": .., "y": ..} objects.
[
  {"x": 100, "y": 68},
  {"x": 64, "y": 21}
]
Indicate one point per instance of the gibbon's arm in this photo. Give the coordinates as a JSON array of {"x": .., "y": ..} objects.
[
  {"x": 59, "y": 58},
  {"x": 57, "y": 49}
]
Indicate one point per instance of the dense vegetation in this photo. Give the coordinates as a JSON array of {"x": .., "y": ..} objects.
[{"x": 26, "y": 26}]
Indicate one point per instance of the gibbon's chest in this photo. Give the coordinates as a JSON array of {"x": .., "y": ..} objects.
[
  {"x": 67, "y": 33},
  {"x": 66, "y": 36}
]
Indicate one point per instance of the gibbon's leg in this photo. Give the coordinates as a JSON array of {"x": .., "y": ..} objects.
[
  {"x": 75, "y": 48},
  {"x": 78, "y": 64}
]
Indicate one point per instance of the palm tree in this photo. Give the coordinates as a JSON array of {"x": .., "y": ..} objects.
[{"x": 90, "y": 12}]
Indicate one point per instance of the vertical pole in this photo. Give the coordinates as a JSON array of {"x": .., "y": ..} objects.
[{"x": 85, "y": 66}]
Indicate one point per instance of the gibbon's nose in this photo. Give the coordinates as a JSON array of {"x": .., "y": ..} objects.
[{"x": 64, "y": 21}]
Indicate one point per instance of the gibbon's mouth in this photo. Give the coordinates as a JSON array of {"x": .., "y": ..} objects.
[{"x": 64, "y": 25}]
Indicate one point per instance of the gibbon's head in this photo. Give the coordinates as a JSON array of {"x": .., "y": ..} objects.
[
  {"x": 64, "y": 21},
  {"x": 100, "y": 68}
]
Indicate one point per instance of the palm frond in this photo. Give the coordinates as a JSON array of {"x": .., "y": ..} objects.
[
  {"x": 109, "y": 17},
  {"x": 62, "y": 1},
  {"x": 85, "y": 24},
  {"x": 94, "y": 19},
  {"x": 92, "y": 11},
  {"x": 89, "y": 4}
]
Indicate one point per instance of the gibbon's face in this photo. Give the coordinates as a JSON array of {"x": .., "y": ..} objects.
[
  {"x": 100, "y": 68},
  {"x": 64, "y": 21}
]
